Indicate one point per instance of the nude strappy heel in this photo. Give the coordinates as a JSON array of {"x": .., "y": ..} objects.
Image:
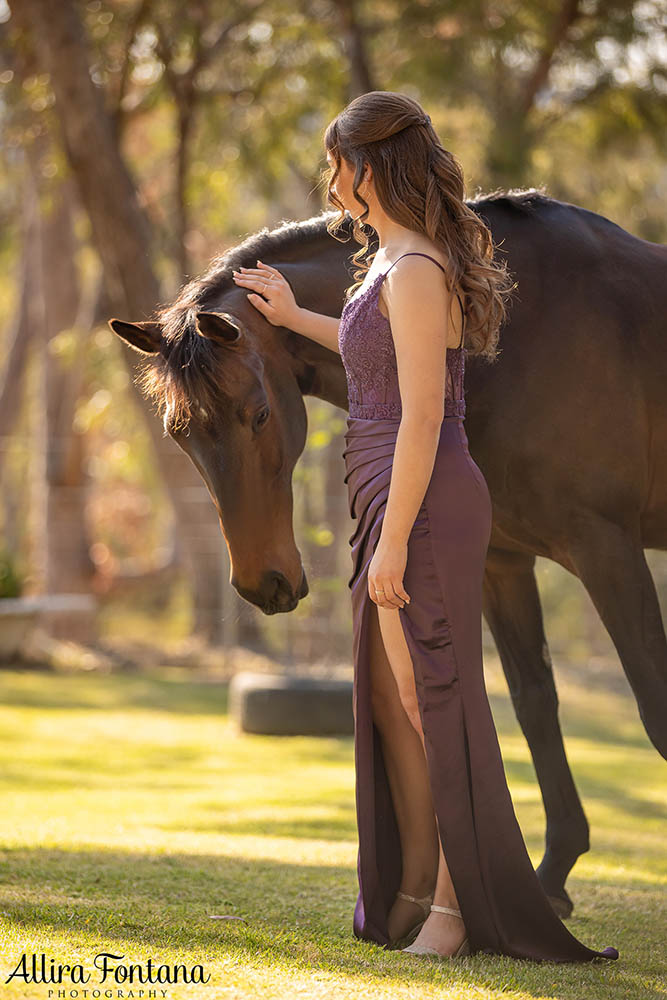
[
  {"x": 425, "y": 903},
  {"x": 420, "y": 949}
]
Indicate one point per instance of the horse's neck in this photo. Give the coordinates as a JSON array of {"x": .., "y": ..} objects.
[{"x": 318, "y": 371}]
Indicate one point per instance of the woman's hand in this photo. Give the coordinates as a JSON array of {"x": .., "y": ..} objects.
[
  {"x": 385, "y": 575},
  {"x": 278, "y": 304}
]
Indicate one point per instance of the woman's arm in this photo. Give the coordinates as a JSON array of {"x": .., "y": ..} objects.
[
  {"x": 271, "y": 295},
  {"x": 412, "y": 290},
  {"x": 317, "y": 326}
]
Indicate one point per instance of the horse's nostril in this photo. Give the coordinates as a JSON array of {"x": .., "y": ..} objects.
[
  {"x": 278, "y": 593},
  {"x": 277, "y": 585},
  {"x": 274, "y": 594}
]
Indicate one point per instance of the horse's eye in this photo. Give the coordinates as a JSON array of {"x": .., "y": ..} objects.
[{"x": 262, "y": 417}]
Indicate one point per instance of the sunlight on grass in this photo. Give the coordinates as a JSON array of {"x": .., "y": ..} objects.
[{"x": 133, "y": 809}]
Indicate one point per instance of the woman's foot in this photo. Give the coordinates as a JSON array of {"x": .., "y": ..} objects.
[
  {"x": 443, "y": 933},
  {"x": 407, "y": 913}
]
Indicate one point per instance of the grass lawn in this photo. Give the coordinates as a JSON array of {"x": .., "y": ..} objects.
[{"x": 132, "y": 809}]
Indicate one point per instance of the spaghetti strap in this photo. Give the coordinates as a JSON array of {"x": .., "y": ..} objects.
[
  {"x": 414, "y": 253},
  {"x": 418, "y": 253}
]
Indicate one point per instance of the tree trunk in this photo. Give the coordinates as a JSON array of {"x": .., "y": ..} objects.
[
  {"x": 68, "y": 566},
  {"x": 24, "y": 322},
  {"x": 121, "y": 236}
]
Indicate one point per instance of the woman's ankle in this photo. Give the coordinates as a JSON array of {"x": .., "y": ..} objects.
[{"x": 418, "y": 886}]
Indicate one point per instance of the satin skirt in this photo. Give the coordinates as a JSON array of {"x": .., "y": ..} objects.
[{"x": 502, "y": 902}]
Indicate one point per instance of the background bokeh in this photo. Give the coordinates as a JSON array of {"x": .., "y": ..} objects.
[{"x": 139, "y": 139}]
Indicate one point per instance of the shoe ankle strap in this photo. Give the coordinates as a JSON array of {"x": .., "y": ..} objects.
[
  {"x": 445, "y": 909},
  {"x": 423, "y": 901}
]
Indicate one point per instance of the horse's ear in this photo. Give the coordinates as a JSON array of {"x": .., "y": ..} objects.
[
  {"x": 145, "y": 337},
  {"x": 220, "y": 327}
]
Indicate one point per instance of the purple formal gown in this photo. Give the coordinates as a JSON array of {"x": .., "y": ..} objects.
[{"x": 505, "y": 909}]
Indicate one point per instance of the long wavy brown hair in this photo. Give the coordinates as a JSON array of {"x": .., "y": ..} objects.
[{"x": 420, "y": 184}]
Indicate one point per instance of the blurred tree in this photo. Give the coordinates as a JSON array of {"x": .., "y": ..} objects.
[
  {"x": 59, "y": 343},
  {"x": 20, "y": 329},
  {"x": 122, "y": 239},
  {"x": 530, "y": 65}
]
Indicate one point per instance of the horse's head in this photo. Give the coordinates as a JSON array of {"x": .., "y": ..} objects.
[{"x": 229, "y": 388}]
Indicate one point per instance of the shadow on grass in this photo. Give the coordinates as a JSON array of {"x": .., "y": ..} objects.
[
  {"x": 295, "y": 915},
  {"x": 341, "y": 826},
  {"x": 518, "y": 772},
  {"x": 591, "y": 786},
  {"x": 583, "y": 723},
  {"x": 338, "y": 825},
  {"x": 113, "y": 692},
  {"x": 154, "y": 690}
]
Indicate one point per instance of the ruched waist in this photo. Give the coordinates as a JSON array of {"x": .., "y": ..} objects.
[{"x": 359, "y": 426}]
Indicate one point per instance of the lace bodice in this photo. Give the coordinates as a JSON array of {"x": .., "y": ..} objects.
[{"x": 367, "y": 350}]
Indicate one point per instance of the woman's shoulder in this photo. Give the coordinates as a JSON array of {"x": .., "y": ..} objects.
[{"x": 415, "y": 287}]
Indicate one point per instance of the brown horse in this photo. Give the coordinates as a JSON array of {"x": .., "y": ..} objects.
[{"x": 569, "y": 427}]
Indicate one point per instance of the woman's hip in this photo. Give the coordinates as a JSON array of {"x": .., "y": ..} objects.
[
  {"x": 370, "y": 444},
  {"x": 457, "y": 489}
]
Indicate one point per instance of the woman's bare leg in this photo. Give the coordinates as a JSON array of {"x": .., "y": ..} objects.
[
  {"x": 410, "y": 788},
  {"x": 442, "y": 931}
]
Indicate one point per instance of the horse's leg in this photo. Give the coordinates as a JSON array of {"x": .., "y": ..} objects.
[
  {"x": 513, "y": 612},
  {"x": 610, "y": 562}
]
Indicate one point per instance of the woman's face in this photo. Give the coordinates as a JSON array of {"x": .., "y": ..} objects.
[{"x": 342, "y": 186}]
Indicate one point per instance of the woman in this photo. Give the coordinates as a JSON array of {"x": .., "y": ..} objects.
[{"x": 442, "y": 862}]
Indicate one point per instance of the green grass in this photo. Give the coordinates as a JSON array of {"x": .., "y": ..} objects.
[{"x": 132, "y": 809}]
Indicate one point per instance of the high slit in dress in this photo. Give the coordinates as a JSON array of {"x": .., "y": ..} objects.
[{"x": 504, "y": 907}]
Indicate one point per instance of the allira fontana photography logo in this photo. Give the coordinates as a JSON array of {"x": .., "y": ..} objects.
[{"x": 111, "y": 970}]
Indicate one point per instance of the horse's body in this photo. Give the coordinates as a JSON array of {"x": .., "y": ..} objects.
[{"x": 569, "y": 427}]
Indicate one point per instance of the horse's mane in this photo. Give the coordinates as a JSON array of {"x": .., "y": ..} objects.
[
  {"x": 524, "y": 200},
  {"x": 190, "y": 368}
]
